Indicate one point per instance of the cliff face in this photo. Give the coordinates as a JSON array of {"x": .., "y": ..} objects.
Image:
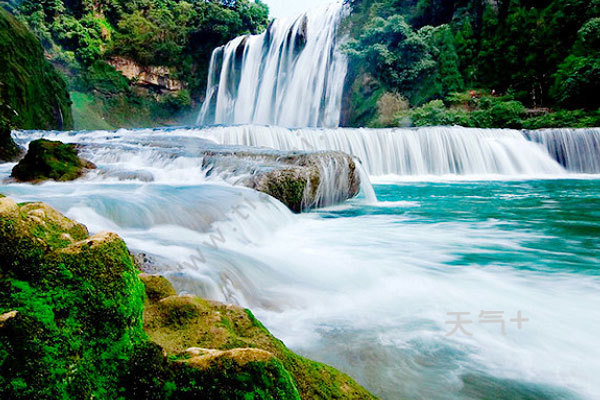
[
  {"x": 34, "y": 94},
  {"x": 156, "y": 77}
]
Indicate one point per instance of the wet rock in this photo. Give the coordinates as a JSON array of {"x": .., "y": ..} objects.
[
  {"x": 9, "y": 151},
  {"x": 50, "y": 160},
  {"x": 300, "y": 180}
]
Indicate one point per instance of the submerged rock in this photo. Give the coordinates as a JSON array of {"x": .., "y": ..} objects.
[
  {"x": 300, "y": 180},
  {"x": 47, "y": 159}
]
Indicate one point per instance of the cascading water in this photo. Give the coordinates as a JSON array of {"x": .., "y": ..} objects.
[
  {"x": 291, "y": 75},
  {"x": 575, "y": 149},
  {"x": 367, "y": 286},
  {"x": 435, "y": 151}
]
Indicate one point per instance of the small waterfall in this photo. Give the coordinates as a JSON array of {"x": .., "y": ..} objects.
[
  {"x": 577, "y": 150},
  {"x": 291, "y": 75},
  {"x": 424, "y": 151}
]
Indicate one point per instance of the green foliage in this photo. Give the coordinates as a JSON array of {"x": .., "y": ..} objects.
[
  {"x": 151, "y": 32},
  {"x": 577, "y": 81},
  {"x": 546, "y": 54},
  {"x": 9, "y": 150},
  {"x": 105, "y": 79},
  {"x": 397, "y": 55},
  {"x": 33, "y": 93}
]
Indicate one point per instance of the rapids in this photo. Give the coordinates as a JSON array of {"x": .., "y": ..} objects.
[{"x": 367, "y": 285}]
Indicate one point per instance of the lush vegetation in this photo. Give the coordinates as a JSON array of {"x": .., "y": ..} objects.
[
  {"x": 505, "y": 63},
  {"x": 78, "y": 321},
  {"x": 32, "y": 94},
  {"x": 81, "y": 36}
]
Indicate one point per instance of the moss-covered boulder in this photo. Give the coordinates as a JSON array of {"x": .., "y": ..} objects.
[
  {"x": 47, "y": 159},
  {"x": 198, "y": 332},
  {"x": 73, "y": 311},
  {"x": 71, "y": 305},
  {"x": 9, "y": 151}
]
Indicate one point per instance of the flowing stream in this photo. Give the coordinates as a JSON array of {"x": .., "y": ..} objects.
[{"x": 474, "y": 221}]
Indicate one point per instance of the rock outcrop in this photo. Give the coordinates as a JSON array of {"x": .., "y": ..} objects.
[
  {"x": 47, "y": 159},
  {"x": 300, "y": 180},
  {"x": 9, "y": 151},
  {"x": 205, "y": 334},
  {"x": 157, "y": 77},
  {"x": 78, "y": 304},
  {"x": 77, "y": 321}
]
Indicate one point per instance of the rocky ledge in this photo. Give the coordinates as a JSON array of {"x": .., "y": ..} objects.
[
  {"x": 78, "y": 320},
  {"x": 300, "y": 180}
]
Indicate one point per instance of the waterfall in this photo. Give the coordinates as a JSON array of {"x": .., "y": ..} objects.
[
  {"x": 577, "y": 150},
  {"x": 434, "y": 150},
  {"x": 291, "y": 75}
]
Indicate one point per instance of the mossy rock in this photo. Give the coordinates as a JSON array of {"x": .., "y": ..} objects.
[
  {"x": 75, "y": 305},
  {"x": 35, "y": 92},
  {"x": 54, "y": 160},
  {"x": 73, "y": 313},
  {"x": 180, "y": 324},
  {"x": 9, "y": 151}
]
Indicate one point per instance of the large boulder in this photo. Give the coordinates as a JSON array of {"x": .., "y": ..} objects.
[
  {"x": 203, "y": 333},
  {"x": 71, "y": 306},
  {"x": 47, "y": 159},
  {"x": 77, "y": 322},
  {"x": 300, "y": 180}
]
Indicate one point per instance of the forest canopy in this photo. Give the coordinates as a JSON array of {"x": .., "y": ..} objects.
[{"x": 544, "y": 55}]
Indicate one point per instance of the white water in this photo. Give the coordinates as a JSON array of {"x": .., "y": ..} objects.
[
  {"x": 181, "y": 156},
  {"x": 365, "y": 287},
  {"x": 436, "y": 151},
  {"x": 291, "y": 75},
  {"x": 576, "y": 149}
]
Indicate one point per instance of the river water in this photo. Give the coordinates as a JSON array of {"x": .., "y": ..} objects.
[{"x": 373, "y": 287}]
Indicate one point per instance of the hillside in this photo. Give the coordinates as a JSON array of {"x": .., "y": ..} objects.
[
  {"x": 480, "y": 63},
  {"x": 133, "y": 64},
  {"x": 32, "y": 94}
]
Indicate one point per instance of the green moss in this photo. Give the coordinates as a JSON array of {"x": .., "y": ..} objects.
[
  {"x": 225, "y": 327},
  {"x": 47, "y": 159},
  {"x": 29, "y": 84},
  {"x": 157, "y": 287},
  {"x": 286, "y": 186},
  {"x": 74, "y": 314},
  {"x": 79, "y": 306}
]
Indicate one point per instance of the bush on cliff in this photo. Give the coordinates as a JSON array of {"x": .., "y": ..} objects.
[{"x": 545, "y": 55}]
